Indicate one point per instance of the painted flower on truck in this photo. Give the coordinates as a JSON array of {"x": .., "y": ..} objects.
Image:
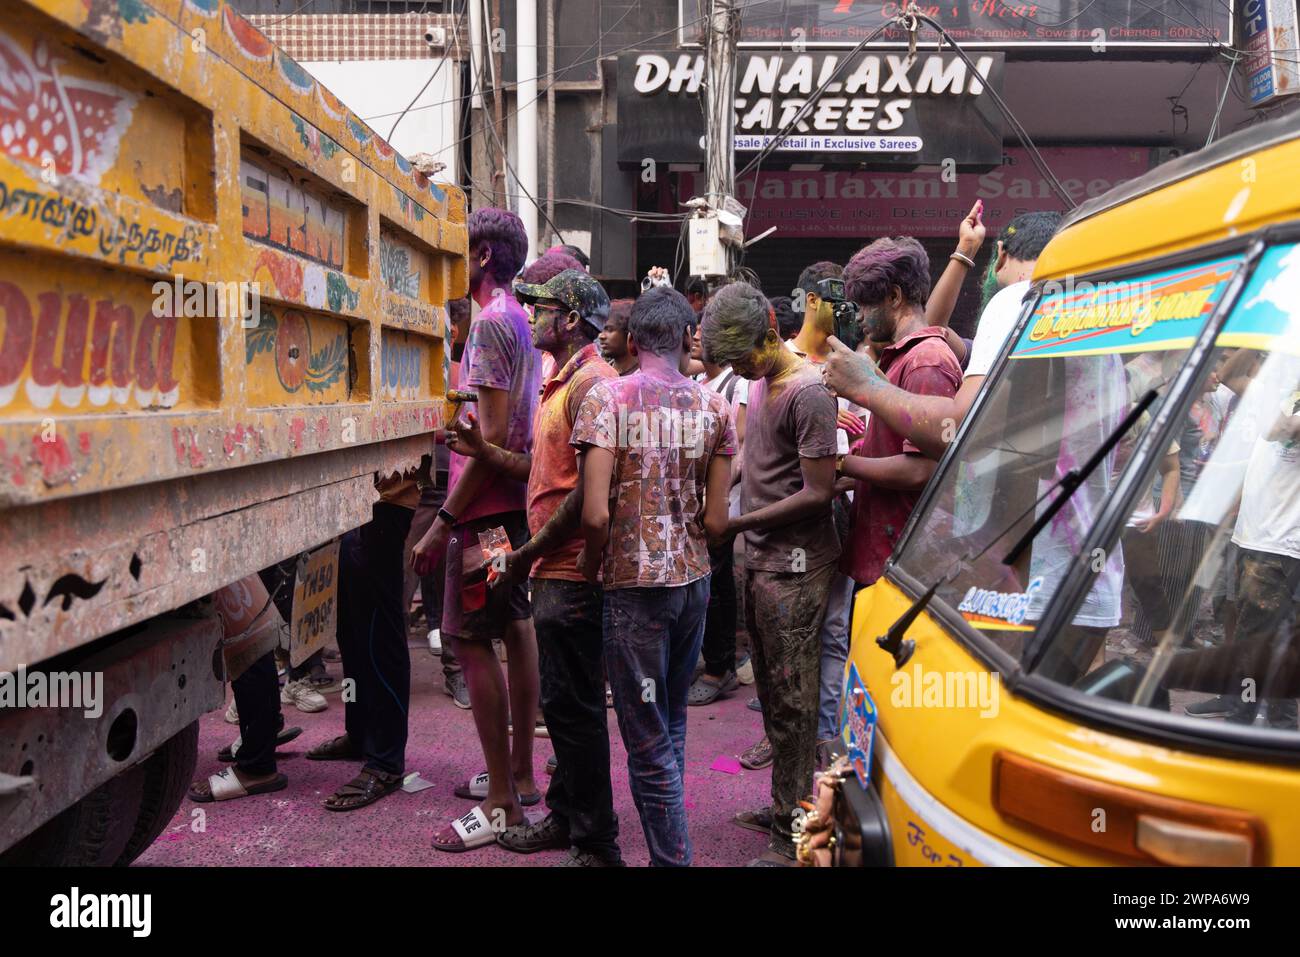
[
  {"x": 288, "y": 338},
  {"x": 49, "y": 117}
]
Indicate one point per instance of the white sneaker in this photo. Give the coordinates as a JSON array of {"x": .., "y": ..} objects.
[
  {"x": 232, "y": 713},
  {"x": 745, "y": 671},
  {"x": 435, "y": 641},
  {"x": 303, "y": 696}
]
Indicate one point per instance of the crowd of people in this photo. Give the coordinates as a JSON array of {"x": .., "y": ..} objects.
[{"x": 622, "y": 465}]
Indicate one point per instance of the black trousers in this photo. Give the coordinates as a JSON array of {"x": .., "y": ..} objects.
[
  {"x": 372, "y": 637},
  {"x": 257, "y": 698},
  {"x": 568, "y": 618},
  {"x": 720, "y": 621},
  {"x": 433, "y": 584},
  {"x": 278, "y": 582}
]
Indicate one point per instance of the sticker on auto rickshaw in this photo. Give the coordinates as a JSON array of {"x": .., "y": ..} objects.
[
  {"x": 999, "y": 610},
  {"x": 1155, "y": 312},
  {"x": 860, "y": 724},
  {"x": 1264, "y": 315}
]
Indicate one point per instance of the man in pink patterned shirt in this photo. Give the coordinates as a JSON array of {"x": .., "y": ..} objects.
[{"x": 656, "y": 449}]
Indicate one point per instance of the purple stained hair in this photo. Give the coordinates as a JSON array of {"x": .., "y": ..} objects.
[
  {"x": 886, "y": 263},
  {"x": 547, "y": 267},
  {"x": 503, "y": 232}
]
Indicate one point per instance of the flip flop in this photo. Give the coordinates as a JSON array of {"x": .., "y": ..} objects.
[
  {"x": 369, "y": 786},
  {"x": 477, "y": 788},
  {"x": 226, "y": 786},
  {"x": 470, "y": 831},
  {"x": 759, "y": 819},
  {"x": 227, "y": 754}
]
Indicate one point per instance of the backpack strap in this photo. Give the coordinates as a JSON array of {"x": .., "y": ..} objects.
[{"x": 727, "y": 387}]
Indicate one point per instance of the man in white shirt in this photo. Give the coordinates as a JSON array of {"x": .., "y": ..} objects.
[
  {"x": 1267, "y": 535},
  {"x": 719, "y": 646}
]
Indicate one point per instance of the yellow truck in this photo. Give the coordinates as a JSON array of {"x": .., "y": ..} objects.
[{"x": 222, "y": 314}]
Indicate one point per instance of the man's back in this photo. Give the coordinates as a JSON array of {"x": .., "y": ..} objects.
[{"x": 663, "y": 435}]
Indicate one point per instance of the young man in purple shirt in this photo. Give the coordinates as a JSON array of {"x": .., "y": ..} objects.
[{"x": 502, "y": 366}]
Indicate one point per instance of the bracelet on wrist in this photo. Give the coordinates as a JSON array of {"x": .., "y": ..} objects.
[
  {"x": 963, "y": 258},
  {"x": 446, "y": 517}
]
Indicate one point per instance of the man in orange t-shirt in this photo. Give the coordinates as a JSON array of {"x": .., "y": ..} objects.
[{"x": 569, "y": 311}]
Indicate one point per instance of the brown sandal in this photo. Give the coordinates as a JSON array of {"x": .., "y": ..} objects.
[
  {"x": 335, "y": 749},
  {"x": 366, "y": 788}
]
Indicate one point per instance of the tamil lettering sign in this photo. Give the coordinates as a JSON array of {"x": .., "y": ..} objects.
[
  {"x": 829, "y": 203},
  {"x": 881, "y": 108},
  {"x": 315, "y": 604},
  {"x": 976, "y": 23},
  {"x": 1269, "y": 37},
  {"x": 1156, "y": 312}
]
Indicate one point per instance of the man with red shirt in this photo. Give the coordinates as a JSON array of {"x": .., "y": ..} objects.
[{"x": 890, "y": 282}]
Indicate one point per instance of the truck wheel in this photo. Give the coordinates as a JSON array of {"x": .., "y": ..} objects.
[
  {"x": 91, "y": 833},
  {"x": 168, "y": 773}
]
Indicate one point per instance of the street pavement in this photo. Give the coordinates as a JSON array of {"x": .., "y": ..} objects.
[{"x": 290, "y": 828}]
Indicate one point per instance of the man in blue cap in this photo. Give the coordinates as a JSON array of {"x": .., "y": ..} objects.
[{"x": 569, "y": 312}]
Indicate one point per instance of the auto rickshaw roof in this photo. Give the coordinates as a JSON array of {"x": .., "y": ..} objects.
[{"x": 1240, "y": 183}]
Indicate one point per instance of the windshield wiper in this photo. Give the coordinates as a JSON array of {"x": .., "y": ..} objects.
[
  {"x": 1071, "y": 480},
  {"x": 893, "y": 640}
]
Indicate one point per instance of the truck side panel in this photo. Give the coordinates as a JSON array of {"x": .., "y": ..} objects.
[{"x": 164, "y": 168}]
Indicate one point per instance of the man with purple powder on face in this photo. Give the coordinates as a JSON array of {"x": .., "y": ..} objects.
[
  {"x": 890, "y": 282},
  {"x": 790, "y": 540},
  {"x": 656, "y": 452},
  {"x": 502, "y": 366}
]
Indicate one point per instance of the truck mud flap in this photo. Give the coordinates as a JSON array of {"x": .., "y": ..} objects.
[{"x": 101, "y": 714}]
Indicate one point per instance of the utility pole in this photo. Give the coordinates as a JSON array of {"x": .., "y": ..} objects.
[
  {"x": 526, "y": 117},
  {"x": 719, "y": 110},
  {"x": 550, "y": 120}
]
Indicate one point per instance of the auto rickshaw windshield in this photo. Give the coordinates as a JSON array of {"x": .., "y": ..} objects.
[{"x": 1191, "y": 610}]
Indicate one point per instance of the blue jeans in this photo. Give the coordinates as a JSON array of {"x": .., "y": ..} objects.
[
  {"x": 835, "y": 653},
  {"x": 652, "y": 641}
]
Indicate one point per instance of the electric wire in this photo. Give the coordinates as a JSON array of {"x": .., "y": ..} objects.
[{"x": 460, "y": 21}]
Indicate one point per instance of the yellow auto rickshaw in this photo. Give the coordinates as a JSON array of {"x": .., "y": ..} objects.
[{"x": 1084, "y": 647}]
